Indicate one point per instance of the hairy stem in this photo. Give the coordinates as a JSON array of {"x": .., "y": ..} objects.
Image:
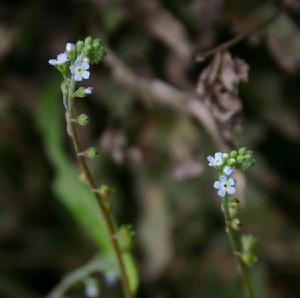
[
  {"x": 235, "y": 245},
  {"x": 106, "y": 215}
]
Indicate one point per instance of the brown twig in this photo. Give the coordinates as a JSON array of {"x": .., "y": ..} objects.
[{"x": 235, "y": 40}]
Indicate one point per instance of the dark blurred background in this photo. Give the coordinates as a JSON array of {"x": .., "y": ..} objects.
[{"x": 154, "y": 151}]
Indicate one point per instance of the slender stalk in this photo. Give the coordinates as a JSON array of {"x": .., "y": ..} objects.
[
  {"x": 75, "y": 277},
  {"x": 236, "y": 249},
  {"x": 108, "y": 221},
  {"x": 235, "y": 40}
]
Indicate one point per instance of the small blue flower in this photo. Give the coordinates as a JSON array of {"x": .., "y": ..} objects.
[
  {"x": 80, "y": 70},
  {"x": 88, "y": 90},
  {"x": 224, "y": 185},
  {"x": 228, "y": 170},
  {"x": 60, "y": 59},
  {"x": 91, "y": 291},
  {"x": 215, "y": 161},
  {"x": 70, "y": 46}
]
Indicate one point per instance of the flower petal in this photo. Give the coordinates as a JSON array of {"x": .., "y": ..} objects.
[
  {"x": 223, "y": 178},
  {"x": 218, "y": 155},
  {"x": 230, "y": 182},
  {"x": 217, "y": 185},
  {"x": 86, "y": 74},
  {"x": 77, "y": 77},
  {"x": 52, "y": 61},
  {"x": 231, "y": 190},
  {"x": 221, "y": 192},
  {"x": 62, "y": 58},
  {"x": 85, "y": 65}
]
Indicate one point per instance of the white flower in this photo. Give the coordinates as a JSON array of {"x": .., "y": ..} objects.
[
  {"x": 80, "y": 70},
  {"x": 70, "y": 46},
  {"x": 60, "y": 59},
  {"x": 88, "y": 90},
  {"x": 228, "y": 170},
  {"x": 215, "y": 161},
  {"x": 224, "y": 185}
]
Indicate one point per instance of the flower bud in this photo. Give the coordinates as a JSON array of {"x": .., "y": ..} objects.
[
  {"x": 80, "y": 92},
  {"x": 92, "y": 153},
  {"x": 240, "y": 159},
  {"x": 242, "y": 151},
  {"x": 236, "y": 224},
  {"x": 231, "y": 162},
  {"x": 88, "y": 41},
  {"x": 106, "y": 191},
  {"x": 249, "y": 258},
  {"x": 79, "y": 46},
  {"x": 233, "y": 154},
  {"x": 83, "y": 119}
]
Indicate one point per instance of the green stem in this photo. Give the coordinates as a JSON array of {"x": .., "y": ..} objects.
[
  {"x": 106, "y": 215},
  {"x": 236, "y": 249}
]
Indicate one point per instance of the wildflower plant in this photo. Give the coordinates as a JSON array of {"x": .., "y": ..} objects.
[
  {"x": 242, "y": 244},
  {"x": 75, "y": 66}
]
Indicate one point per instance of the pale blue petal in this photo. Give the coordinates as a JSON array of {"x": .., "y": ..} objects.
[
  {"x": 85, "y": 65},
  {"x": 88, "y": 90},
  {"x": 230, "y": 182},
  {"x": 77, "y": 62},
  {"x": 218, "y": 155},
  {"x": 86, "y": 74},
  {"x": 62, "y": 57},
  {"x": 221, "y": 192},
  {"x": 217, "y": 185},
  {"x": 77, "y": 77},
  {"x": 219, "y": 162},
  {"x": 53, "y": 61},
  {"x": 70, "y": 46},
  {"x": 228, "y": 170},
  {"x": 72, "y": 69},
  {"x": 223, "y": 178},
  {"x": 231, "y": 190}
]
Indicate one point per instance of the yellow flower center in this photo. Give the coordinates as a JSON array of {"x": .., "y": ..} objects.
[
  {"x": 225, "y": 185},
  {"x": 79, "y": 69}
]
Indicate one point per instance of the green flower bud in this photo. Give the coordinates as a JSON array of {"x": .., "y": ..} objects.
[
  {"x": 106, "y": 191},
  {"x": 240, "y": 159},
  {"x": 80, "y": 92},
  {"x": 231, "y": 162},
  {"x": 242, "y": 151},
  {"x": 125, "y": 237},
  {"x": 236, "y": 224},
  {"x": 248, "y": 156},
  {"x": 249, "y": 258},
  {"x": 88, "y": 41},
  {"x": 79, "y": 46},
  {"x": 83, "y": 119},
  {"x": 92, "y": 153},
  {"x": 233, "y": 154}
]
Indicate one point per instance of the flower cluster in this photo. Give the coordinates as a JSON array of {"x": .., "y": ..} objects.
[
  {"x": 74, "y": 63},
  {"x": 225, "y": 164}
]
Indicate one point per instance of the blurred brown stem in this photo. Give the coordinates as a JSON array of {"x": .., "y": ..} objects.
[{"x": 232, "y": 42}]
